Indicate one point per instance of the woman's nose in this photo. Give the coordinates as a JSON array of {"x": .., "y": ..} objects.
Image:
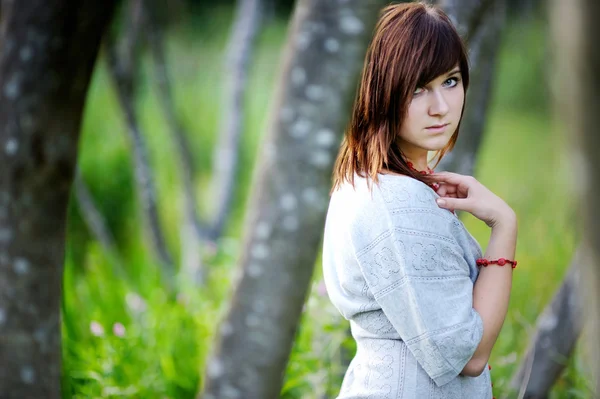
[{"x": 439, "y": 105}]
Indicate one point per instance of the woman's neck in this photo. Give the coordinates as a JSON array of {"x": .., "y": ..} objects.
[
  {"x": 420, "y": 163},
  {"x": 417, "y": 156}
]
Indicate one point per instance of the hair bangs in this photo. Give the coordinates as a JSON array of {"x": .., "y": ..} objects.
[{"x": 442, "y": 50}]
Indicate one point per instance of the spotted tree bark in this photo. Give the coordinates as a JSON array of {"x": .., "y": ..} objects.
[
  {"x": 192, "y": 231},
  {"x": 556, "y": 333},
  {"x": 226, "y": 154},
  {"x": 323, "y": 56},
  {"x": 239, "y": 52},
  {"x": 574, "y": 28},
  {"x": 47, "y": 53},
  {"x": 122, "y": 59},
  {"x": 481, "y": 23}
]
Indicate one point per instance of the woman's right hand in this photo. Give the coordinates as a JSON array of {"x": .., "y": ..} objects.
[{"x": 467, "y": 194}]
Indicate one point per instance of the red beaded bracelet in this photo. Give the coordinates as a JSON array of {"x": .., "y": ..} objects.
[{"x": 501, "y": 262}]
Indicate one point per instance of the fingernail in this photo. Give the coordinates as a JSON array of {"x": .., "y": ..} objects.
[{"x": 440, "y": 201}]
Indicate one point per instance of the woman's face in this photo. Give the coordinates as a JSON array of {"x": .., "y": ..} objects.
[{"x": 433, "y": 115}]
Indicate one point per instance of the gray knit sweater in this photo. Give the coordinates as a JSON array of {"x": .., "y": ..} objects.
[{"x": 401, "y": 270}]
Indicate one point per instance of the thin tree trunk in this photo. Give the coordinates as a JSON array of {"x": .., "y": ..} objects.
[
  {"x": 226, "y": 155},
  {"x": 96, "y": 224},
  {"x": 469, "y": 16},
  {"x": 47, "y": 54},
  {"x": 557, "y": 331},
  {"x": 574, "y": 27},
  {"x": 122, "y": 64},
  {"x": 481, "y": 23},
  {"x": 323, "y": 57},
  {"x": 192, "y": 231}
]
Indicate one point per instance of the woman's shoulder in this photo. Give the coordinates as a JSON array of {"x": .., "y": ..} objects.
[
  {"x": 390, "y": 190},
  {"x": 366, "y": 200},
  {"x": 398, "y": 191},
  {"x": 398, "y": 204}
]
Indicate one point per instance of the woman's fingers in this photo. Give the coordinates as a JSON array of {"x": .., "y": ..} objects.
[
  {"x": 461, "y": 204},
  {"x": 463, "y": 183},
  {"x": 446, "y": 189},
  {"x": 448, "y": 177},
  {"x": 471, "y": 196},
  {"x": 442, "y": 190},
  {"x": 444, "y": 193}
]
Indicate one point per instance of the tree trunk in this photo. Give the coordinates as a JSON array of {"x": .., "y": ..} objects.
[
  {"x": 192, "y": 231},
  {"x": 557, "y": 331},
  {"x": 225, "y": 160},
  {"x": 574, "y": 26},
  {"x": 481, "y": 23},
  {"x": 48, "y": 50},
  {"x": 122, "y": 62},
  {"x": 96, "y": 224},
  {"x": 323, "y": 57}
]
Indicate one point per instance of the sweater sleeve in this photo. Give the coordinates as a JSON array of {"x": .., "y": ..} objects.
[{"x": 417, "y": 272}]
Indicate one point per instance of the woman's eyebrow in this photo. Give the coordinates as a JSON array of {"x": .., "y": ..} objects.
[{"x": 456, "y": 70}]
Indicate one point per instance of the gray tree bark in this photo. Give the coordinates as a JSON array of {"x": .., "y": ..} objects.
[
  {"x": 47, "y": 54},
  {"x": 192, "y": 230},
  {"x": 481, "y": 23},
  {"x": 122, "y": 62},
  {"x": 96, "y": 224},
  {"x": 324, "y": 54},
  {"x": 556, "y": 333},
  {"x": 226, "y": 154},
  {"x": 238, "y": 60},
  {"x": 574, "y": 27},
  {"x": 469, "y": 16}
]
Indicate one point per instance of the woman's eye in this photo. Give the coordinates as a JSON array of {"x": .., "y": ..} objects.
[
  {"x": 418, "y": 90},
  {"x": 451, "y": 82}
]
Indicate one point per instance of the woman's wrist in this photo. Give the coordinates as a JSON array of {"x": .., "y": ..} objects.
[{"x": 505, "y": 220}]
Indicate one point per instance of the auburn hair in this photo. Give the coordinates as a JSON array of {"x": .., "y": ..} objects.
[{"x": 412, "y": 44}]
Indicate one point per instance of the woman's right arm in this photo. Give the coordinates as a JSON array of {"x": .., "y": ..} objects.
[{"x": 491, "y": 291}]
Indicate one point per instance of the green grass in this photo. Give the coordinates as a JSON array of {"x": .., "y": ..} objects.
[{"x": 167, "y": 340}]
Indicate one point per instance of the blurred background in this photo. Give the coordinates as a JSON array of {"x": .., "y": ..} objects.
[{"x": 125, "y": 336}]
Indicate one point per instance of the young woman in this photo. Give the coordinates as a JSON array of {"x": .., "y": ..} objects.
[{"x": 397, "y": 262}]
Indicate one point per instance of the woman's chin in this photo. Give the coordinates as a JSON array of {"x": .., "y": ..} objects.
[{"x": 435, "y": 145}]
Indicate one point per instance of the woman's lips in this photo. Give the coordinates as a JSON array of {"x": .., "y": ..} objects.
[{"x": 437, "y": 128}]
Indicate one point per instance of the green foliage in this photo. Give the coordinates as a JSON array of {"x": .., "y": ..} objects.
[{"x": 160, "y": 347}]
